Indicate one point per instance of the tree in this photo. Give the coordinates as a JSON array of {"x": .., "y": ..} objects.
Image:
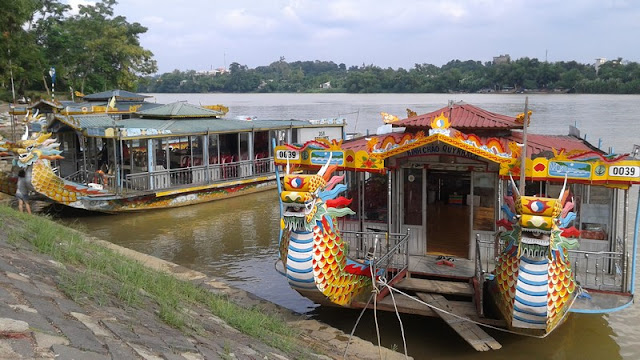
[{"x": 95, "y": 50}]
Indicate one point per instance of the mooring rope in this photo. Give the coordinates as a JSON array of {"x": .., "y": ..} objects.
[
  {"x": 344, "y": 355},
  {"x": 391, "y": 289}
]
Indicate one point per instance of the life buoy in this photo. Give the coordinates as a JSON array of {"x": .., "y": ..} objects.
[
  {"x": 100, "y": 177},
  {"x": 85, "y": 109}
]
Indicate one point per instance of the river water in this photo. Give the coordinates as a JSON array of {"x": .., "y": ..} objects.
[{"x": 236, "y": 239}]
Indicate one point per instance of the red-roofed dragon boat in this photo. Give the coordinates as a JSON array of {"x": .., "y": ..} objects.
[{"x": 432, "y": 214}]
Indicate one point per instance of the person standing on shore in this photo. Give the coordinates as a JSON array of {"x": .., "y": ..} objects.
[{"x": 22, "y": 191}]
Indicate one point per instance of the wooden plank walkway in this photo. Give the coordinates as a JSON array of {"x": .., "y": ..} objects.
[
  {"x": 470, "y": 332},
  {"x": 436, "y": 286}
]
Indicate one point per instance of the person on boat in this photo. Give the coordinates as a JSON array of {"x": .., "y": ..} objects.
[{"x": 22, "y": 192}]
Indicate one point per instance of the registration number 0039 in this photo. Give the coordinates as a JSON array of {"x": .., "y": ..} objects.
[
  {"x": 287, "y": 154},
  {"x": 624, "y": 171}
]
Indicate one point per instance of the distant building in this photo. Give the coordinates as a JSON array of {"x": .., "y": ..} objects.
[
  {"x": 213, "y": 72},
  {"x": 326, "y": 85},
  {"x": 599, "y": 61},
  {"x": 502, "y": 59}
]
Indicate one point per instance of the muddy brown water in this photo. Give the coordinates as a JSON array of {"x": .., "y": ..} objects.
[{"x": 236, "y": 239}]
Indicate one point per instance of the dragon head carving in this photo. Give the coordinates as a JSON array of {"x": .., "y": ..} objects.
[
  {"x": 30, "y": 151},
  {"x": 308, "y": 198},
  {"x": 535, "y": 282}
]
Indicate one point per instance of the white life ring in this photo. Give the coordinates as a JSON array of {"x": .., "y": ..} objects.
[{"x": 85, "y": 109}]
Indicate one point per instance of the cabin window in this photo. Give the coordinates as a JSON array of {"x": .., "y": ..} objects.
[
  {"x": 412, "y": 196},
  {"x": 483, "y": 201},
  {"x": 261, "y": 145},
  {"x": 160, "y": 154},
  {"x": 214, "y": 149},
  {"x": 228, "y": 148},
  {"x": 244, "y": 146},
  {"x": 137, "y": 150},
  {"x": 595, "y": 214}
]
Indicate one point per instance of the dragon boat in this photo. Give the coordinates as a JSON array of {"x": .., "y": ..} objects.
[
  {"x": 115, "y": 152},
  {"x": 432, "y": 214}
]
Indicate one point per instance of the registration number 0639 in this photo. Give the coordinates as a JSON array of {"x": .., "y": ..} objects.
[
  {"x": 624, "y": 171},
  {"x": 287, "y": 154}
]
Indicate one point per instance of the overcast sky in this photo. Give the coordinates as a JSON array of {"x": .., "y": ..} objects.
[{"x": 205, "y": 34}]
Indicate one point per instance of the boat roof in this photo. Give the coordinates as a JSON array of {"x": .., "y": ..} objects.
[
  {"x": 536, "y": 143},
  {"x": 121, "y": 95},
  {"x": 89, "y": 107},
  {"x": 180, "y": 109},
  {"x": 97, "y": 125},
  {"x": 462, "y": 117}
]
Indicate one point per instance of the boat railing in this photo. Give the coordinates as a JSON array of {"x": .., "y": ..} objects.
[
  {"x": 389, "y": 253},
  {"x": 96, "y": 179},
  {"x": 487, "y": 251},
  {"x": 480, "y": 277},
  {"x": 599, "y": 270},
  {"x": 197, "y": 175}
]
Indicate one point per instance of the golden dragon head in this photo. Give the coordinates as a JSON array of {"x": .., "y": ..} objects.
[{"x": 30, "y": 151}]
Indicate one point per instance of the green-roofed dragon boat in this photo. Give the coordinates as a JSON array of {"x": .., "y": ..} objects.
[{"x": 115, "y": 152}]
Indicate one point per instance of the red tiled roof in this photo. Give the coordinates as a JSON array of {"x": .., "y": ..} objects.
[
  {"x": 536, "y": 143},
  {"x": 463, "y": 116}
]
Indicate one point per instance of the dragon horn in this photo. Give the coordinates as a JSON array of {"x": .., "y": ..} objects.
[
  {"x": 513, "y": 185},
  {"x": 564, "y": 186},
  {"x": 325, "y": 166},
  {"x": 25, "y": 136}
]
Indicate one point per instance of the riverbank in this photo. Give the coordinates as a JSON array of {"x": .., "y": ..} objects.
[{"x": 66, "y": 295}]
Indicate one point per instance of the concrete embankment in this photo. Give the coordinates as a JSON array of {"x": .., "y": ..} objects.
[{"x": 38, "y": 319}]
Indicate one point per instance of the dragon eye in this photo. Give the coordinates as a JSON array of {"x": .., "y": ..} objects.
[
  {"x": 296, "y": 183},
  {"x": 23, "y": 156},
  {"x": 30, "y": 147}
]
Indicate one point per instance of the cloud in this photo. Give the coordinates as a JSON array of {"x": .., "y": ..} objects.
[
  {"x": 241, "y": 20},
  {"x": 383, "y": 32},
  {"x": 75, "y": 5}
]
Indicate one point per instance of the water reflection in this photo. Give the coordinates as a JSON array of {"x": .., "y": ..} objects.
[{"x": 234, "y": 239}]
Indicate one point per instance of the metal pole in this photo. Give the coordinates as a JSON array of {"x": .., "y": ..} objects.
[
  {"x": 635, "y": 245},
  {"x": 388, "y": 207},
  {"x": 524, "y": 156}
]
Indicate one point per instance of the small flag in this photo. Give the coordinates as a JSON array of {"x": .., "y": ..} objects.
[{"x": 112, "y": 103}]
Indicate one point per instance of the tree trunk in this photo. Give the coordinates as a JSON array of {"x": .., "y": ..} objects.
[{"x": 44, "y": 80}]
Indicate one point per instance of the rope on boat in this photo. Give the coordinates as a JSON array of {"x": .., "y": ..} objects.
[
  {"x": 392, "y": 289},
  {"x": 344, "y": 355},
  {"x": 374, "y": 292}
]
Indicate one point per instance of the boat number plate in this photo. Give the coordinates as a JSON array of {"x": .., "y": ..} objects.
[
  {"x": 624, "y": 171},
  {"x": 288, "y": 154}
]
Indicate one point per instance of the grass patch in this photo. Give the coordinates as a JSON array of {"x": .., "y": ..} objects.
[{"x": 98, "y": 274}]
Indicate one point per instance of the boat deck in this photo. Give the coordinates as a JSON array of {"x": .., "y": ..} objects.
[{"x": 431, "y": 265}]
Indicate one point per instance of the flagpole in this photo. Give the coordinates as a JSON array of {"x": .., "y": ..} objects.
[
  {"x": 13, "y": 96},
  {"x": 524, "y": 157}
]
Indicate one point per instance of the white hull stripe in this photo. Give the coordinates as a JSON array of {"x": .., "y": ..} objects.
[
  {"x": 532, "y": 262},
  {"x": 530, "y": 311},
  {"x": 532, "y": 291},
  {"x": 299, "y": 271},
  {"x": 300, "y": 250},
  {"x": 531, "y": 303},
  {"x": 299, "y": 260}
]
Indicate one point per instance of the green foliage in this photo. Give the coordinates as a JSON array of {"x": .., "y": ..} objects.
[
  {"x": 456, "y": 76},
  {"x": 91, "y": 51}
]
